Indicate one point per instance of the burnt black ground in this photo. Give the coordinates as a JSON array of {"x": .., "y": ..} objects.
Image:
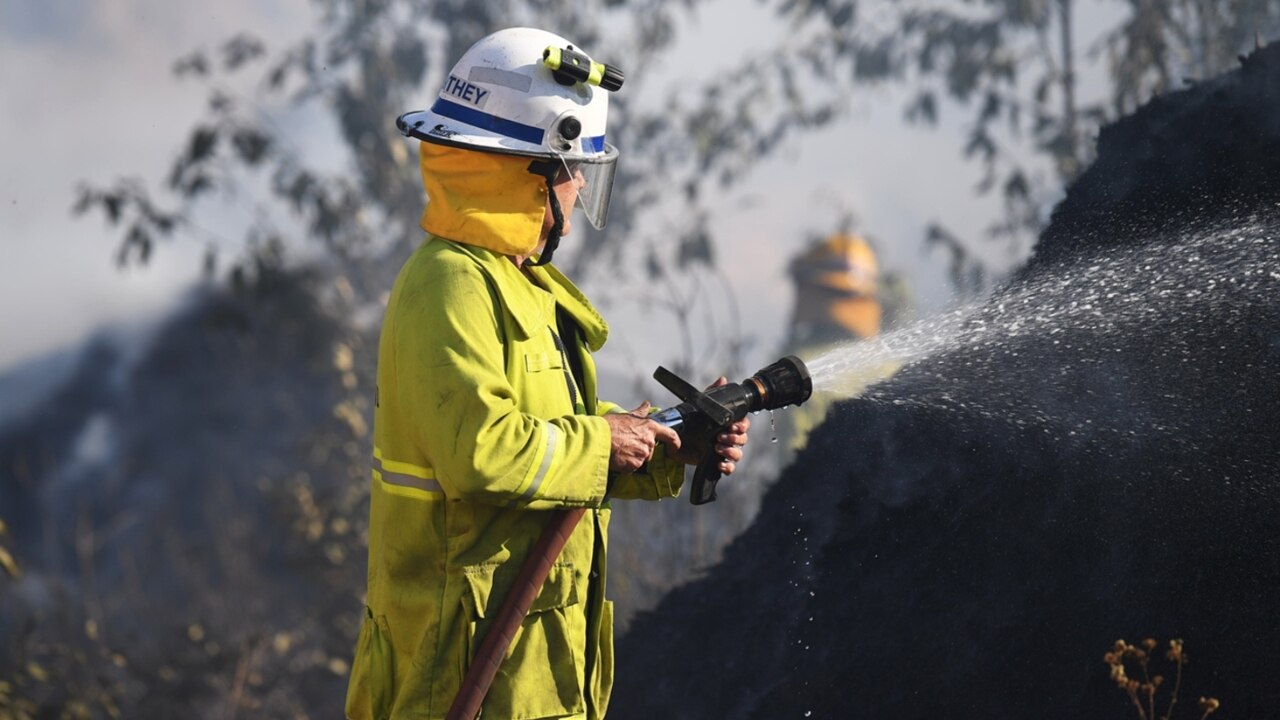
[
  {"x": 917, "y": 561},
  {"x": 210, "y": 539}
]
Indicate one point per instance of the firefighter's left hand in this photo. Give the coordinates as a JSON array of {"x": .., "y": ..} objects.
[{"x": 728, "y": 445}]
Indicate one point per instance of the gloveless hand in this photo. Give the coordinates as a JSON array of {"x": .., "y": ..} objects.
[{"x": 633, "y": 436}]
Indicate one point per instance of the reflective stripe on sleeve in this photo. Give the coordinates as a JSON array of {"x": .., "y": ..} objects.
[
  {"x": 548, "y": 456},
  {"x": 403, "y": 478}
]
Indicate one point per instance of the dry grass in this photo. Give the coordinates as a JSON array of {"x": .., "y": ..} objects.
[{"x": 1124, "y": 659}]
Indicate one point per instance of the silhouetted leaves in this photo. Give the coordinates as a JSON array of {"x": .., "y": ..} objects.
[
  {"x": 137, "y": 245},
  {"x": 251, "y": 145},
  {"x": 195, "y": 63},
  {"x": 653, "y": 265},
  {"x": 128, "y": 204},
  {"x": 203, "y": 141},
  {"x": 923, "y": 109},
  {"x": 188, "y": 176},
  {"x": 695, "y": 247},
  {"x": 965, "y": 271},
  {"x": 875, "y": 62},
  {"x": 980, "y": 144},
  {"x": 366, "y": 60},
  {"x": 241, "y": 49},
  {"x": 1016, "y": 186}
]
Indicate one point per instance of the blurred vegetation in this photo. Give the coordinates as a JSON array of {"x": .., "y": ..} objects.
[
  {"x": 1125, "y": 658},
  {"x": 213, "y": 562},
  {"x": 1009, "y": 64}
]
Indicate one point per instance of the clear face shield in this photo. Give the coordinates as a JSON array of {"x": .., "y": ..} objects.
[{"x": 594, "y": 178}]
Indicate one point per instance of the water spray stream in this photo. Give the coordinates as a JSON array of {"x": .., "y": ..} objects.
[{"x": 1128, "y": 310}]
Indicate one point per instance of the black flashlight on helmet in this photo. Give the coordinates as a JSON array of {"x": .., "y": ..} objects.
[{"x": 568, "y": 66}]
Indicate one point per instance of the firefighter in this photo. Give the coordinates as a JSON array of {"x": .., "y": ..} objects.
[
  {"x": 486, "y": 418},
  {"x": 837, "y": 283}
]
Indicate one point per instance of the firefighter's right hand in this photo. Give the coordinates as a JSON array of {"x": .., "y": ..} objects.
[{"x": 633, "y": 436}]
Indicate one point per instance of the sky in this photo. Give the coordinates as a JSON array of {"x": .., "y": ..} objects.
[{"x": 89, "y": 97}]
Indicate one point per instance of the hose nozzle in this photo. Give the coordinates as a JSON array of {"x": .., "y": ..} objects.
[
  {"x": 703, "y": 415},
  {"x": 785, "y": 382}
]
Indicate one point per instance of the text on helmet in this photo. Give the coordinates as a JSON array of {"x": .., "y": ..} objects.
[{"x": 465, "y": 91}]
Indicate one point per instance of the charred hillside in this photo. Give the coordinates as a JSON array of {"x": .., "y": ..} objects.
[
  {"x": 970, "y": 538},
  {"x": 186, "y": 508}
]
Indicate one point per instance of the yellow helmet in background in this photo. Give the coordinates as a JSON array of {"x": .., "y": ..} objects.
[
  {"x": 836, "y": 282},
  {"x": 841, "y": 262}
]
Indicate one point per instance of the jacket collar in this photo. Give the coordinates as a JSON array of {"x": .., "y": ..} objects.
[
  {"x": 529, "y": 303},
  {"x": 594, "y": 328}
]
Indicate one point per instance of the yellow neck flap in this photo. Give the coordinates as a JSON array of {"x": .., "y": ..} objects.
[{"x": 483, "y": 199}]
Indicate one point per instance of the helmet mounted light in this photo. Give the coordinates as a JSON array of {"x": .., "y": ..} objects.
[{"x": 568, "y": 66}]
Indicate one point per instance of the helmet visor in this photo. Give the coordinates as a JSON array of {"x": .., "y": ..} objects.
[{"x": 594, "y": 178}]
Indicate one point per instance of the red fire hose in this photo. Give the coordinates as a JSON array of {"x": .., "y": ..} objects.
[{"x": 484, "y": 666}]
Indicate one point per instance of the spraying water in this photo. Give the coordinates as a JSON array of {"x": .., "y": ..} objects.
[{"x": 1128, "y": 310}]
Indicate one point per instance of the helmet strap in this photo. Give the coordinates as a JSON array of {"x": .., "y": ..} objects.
[{"x": 548, "y": 169}]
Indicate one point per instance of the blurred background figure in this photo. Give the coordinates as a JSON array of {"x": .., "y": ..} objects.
[
  {"x": 836, "y": 281},
  {"x": 841, "y": 296}
]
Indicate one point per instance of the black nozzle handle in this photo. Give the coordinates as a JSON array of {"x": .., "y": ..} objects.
[
  {"x": 676, "y": 384},
  {"x": 715, "y": 412},
  {"x": 705, "y": 478}
]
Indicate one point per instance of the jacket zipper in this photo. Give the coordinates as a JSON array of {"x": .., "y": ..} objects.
[{"x": 568, "y": 376}]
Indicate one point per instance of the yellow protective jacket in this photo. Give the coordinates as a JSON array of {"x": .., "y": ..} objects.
[{"x": 479, "y": 433}]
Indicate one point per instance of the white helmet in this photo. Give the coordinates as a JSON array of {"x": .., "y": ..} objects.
[{"x": 529, "y": 92}]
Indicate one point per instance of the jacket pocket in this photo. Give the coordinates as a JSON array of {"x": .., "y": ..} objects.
[
  {"x": 371, "y": 689},
  {"x": 541, "y": 674},
  {"x": 539, "y": 361}
]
